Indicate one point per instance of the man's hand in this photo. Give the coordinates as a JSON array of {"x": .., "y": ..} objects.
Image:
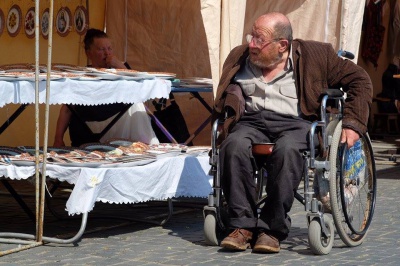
[
  {"x": 349, "y": 136},
  {"x": 58, "y": 143}
]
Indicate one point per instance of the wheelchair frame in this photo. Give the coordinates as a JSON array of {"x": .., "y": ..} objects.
[{"x": 321, "y": 227}]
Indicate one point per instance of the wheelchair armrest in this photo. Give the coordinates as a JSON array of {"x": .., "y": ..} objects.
[{"x": 332, "y": 93}]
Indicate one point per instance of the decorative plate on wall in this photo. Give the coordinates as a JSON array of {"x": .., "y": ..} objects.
[
  {"x": 29, "y": 23},
  {"x": 45, "y": 23},
  {"x": 63, "y": 21},
  {"x": 1, "y": 21},
  {"x": 81, "y": 20},
  {"x": 13, "y": 22}
]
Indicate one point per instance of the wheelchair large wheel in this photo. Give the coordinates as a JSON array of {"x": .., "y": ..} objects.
[
  {"x": 352, "y": 185},
  {"x": 320, "y": 244}
]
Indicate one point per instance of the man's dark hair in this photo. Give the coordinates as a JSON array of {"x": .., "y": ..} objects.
[{"x": 91, "y": 34}]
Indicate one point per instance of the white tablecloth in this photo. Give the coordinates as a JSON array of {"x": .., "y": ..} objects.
[
  {"x": 68, "y": 91},
  {"x": 179, "y": 176},
  {"x": 95, "y": 92}
]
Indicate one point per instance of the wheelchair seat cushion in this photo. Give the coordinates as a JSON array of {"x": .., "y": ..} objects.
[{"x": 262, "y": 148}]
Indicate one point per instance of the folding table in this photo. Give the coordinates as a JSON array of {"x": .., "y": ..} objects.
[{"x": 195, "y": 92}]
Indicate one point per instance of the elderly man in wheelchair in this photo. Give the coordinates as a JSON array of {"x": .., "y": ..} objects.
[{"x": 270, "y": 92}]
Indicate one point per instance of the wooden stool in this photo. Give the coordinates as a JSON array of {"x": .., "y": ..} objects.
[{"x": 390, "y": 119}]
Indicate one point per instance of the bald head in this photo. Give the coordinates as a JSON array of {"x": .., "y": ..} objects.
[{"x": 275, "y": 24}]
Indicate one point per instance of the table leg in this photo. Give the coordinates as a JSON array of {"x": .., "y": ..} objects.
[
  {"x": 12, "y": 117},
  {"x": 160, "y": 125},
  {"x": 198, "y": 130},
  {"x": 18, "y": 199}
]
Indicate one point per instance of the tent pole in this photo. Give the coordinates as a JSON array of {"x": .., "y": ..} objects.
[
  {"x": 46, "y": 130},
  {"x": 39, "y": 230}
]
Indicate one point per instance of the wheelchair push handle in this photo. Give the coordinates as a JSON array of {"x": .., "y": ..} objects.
[{"x": 346, "y": 54}]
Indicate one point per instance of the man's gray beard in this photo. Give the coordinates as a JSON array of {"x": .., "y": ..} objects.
[{"x": 263, "y": 65}]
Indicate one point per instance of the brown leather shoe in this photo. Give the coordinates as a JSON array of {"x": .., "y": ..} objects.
[
  {"x": 239, "y": 239},
  {"x": 266, "y": 244}
]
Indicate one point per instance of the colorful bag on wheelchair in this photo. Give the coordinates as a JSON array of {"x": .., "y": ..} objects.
[
  {"x": 354, "y": 165},
  {"x": 353, "y": 171}
]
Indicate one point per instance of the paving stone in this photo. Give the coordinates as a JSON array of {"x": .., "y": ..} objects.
[{"x": 180, "y": 240}]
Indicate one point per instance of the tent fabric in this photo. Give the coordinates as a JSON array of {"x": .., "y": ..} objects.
[
  {"x": 193, "y": 38},
  {"x": 211, "y": 17},
  {"x": 394, "y": 30},
  {"x": 166, "y": 36},
  {"x": 232, "y": 23},
  {"x": 374, "y": 32}
]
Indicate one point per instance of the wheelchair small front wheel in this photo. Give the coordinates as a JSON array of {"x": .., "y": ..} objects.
[
  {"x": 320, "y": 244},
  {"x": 210, "y": 230}
]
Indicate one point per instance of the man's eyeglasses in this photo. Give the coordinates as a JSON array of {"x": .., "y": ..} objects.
[{"x": 258, "y": 42}]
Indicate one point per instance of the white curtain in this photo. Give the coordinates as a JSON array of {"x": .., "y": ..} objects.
[{"x": 351, "y": 24}]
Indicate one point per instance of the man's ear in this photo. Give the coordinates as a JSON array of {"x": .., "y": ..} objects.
[{"x": 284, "y": 45}]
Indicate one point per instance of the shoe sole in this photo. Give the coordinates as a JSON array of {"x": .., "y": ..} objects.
[
  {"x": 234, "y": 246},
  {"x": 265, "y": 249}
]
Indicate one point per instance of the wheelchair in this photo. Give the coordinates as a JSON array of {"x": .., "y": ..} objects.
[{"x": 347, "y": 176}]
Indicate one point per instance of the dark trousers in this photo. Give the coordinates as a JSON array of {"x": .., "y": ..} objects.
[{"x": 291, "y": 137}]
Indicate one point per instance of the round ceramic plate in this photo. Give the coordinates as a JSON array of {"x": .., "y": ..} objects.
[
  {"x": 63, "y": 21},
  {"x": 14, "y": 70},
  {"x": 13, "y": 22},
  {"x": 83, "y": 164},
  {"x": 2, "y": 21},
  {"x": 29, "y": 149},
  {"x": 41, "y": 77},
  {"x": 125, "y": 143},
  {"x": 8, "y": 78},
  {"x": 171, "y": 146},
  {"x": 9, "y": 151},
  {"x": 105, "y": 76},
  {"x": 29, "y": 23},
  {"x": 97, "y": 147},
  {"x": 135, "y": 163},
  {"x": 45, "y": 23},
  {"x": 87, "y": 78},
  {"x": 194, "y": 85},
  {"x": 162, "y": 75},
  {"x": 24, "y": 163},
  {"x": 128, "y": 72},
  {"x": 81, "y": 20}
]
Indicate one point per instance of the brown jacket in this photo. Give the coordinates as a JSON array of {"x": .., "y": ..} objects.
[{"x": 316, "y": 68}]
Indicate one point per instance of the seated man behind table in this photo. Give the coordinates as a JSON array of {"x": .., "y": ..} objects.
[
  {"x": 281, "y": 81},
  {"x": 99, "y": 51}
]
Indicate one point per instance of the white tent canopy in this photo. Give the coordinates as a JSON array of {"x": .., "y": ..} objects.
[{"x": 193, "y": 38}]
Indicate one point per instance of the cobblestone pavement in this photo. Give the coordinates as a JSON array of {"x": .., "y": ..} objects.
[{"x": 180, "y": 240}]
